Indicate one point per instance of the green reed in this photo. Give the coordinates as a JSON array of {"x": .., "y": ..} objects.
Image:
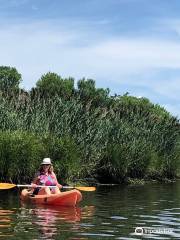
[{"x": 112, "y": 139}]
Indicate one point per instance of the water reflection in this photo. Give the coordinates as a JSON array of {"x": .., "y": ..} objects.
[
  {"x": 52, "y": 221},
  {"x": 47, "y": 219},
  {"x": 5, "y": 223}
]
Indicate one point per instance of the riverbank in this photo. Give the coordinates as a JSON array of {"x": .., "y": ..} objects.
[{"x": 128, "y": 182}]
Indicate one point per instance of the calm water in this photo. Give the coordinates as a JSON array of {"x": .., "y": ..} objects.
[{"x": 109, "y": 213}]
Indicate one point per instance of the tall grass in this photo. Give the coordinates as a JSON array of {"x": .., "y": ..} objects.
[{"x": 122, "y": 137}]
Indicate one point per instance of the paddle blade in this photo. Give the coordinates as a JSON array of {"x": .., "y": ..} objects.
[
  {"x": 88, "y": 189},
  {"x": 7, "y": 185}
]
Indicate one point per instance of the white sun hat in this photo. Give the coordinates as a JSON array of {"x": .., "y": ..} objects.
[{"x": 46, "y": 161}]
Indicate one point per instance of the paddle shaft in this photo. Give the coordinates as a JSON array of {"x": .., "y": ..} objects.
[
  {"x": 31, "y": 186},
  {"x": 42, "y": 186}
]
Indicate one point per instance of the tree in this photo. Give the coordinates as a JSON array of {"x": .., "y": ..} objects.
[
  {"x": 9, "y": 78},
  {"x": 52, "y": 84},
  {"x": 88, "y": 92}
]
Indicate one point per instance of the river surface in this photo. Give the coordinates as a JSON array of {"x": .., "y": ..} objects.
[{"x": 151, "y": 211}]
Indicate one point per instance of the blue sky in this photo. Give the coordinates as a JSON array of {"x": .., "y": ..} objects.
[{"x": 127, "y": 45}]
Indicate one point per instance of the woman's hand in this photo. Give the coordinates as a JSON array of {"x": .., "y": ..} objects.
[
  {"x": 59, "y": 186},
  {"x": 33, "y": 185}
]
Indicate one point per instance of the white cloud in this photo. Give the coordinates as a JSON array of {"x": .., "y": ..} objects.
[
  {"x": 123, "y": 56},
  {"x": 138, "y": 54},
  {"x": 168, "y": 87},
  {"x": 40, "y": 47}
]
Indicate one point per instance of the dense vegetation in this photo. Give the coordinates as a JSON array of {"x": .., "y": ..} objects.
[{"x": 86, "y": 132}]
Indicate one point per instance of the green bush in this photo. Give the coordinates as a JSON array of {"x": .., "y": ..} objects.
[
  {"x": 22, "y": 152},
  {"x": 20, "y": 155}
]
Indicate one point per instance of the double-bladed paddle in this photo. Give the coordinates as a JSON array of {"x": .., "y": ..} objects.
[{"x": 11, "y": 185}]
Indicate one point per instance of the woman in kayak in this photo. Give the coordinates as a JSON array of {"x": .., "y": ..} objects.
[{"x": 46, "y": 177}]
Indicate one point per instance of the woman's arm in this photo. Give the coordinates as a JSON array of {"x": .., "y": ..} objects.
[{"x": 57, "y": 183}]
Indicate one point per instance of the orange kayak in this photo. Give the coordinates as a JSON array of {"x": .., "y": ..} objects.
[{"x": 68, "y": 198}]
